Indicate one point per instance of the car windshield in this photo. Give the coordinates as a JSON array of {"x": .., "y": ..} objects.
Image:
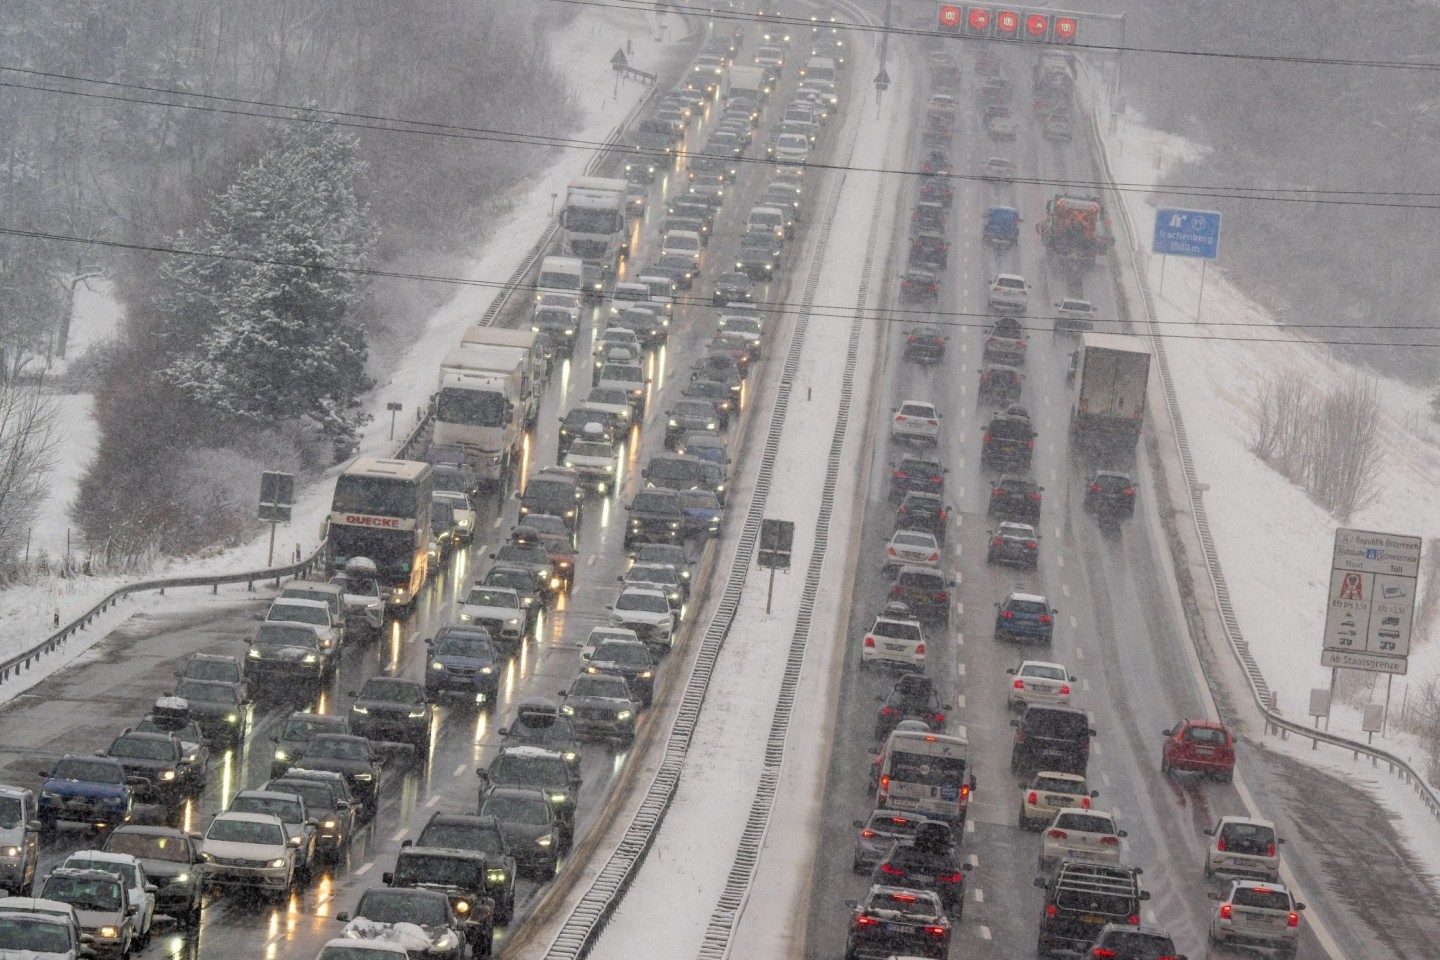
[
  {"x": 608, "y": 396},
  {"x": 652, "y": 573},
  {"x": 1246, "y": 835},
  {"x": 654, "y": 503},
  {"x": 917, "y": 410},
  {"x": 462, "y": 872},
  {"x": 1260, "y": 897},
  {"x": 281, "y": 635},
  {"x": 630, "y": 654},
  {"x": 1043, "y": 671},
  {"x": 318, "y": 796},
  {"x": 305, "y": 727},
  {"x": 201, "y": 691},
  {"x": 622, "y": 373},
  {"x": 1058, "y": 785},
  {"x": 511, "y": 770},
  {"x": 462, "y": 836},
  {"x": 227, "y": 671},
  {"x": 22, "y": 935},
  {"x": 541, "y": 726},
  {"x": 356, "y": 950},
  {"x": 10, "y": 813},
  {"x": 1030, "y": 608},
  {"x": 336, "y": 748},
  {"x": 893, "y": 826},
  {"x": 225, "y": 830},
  {"x": 475, "y": 648},
  {"x": 926, "y": 769},
  {"x": 188, "y": 733},
  {"x": 516, "y": 809},
  {"x": 599, "y": 685},
  {"x": 142, "y": 748},
  {"x": 676, "y": 470},
  {"x": 646, "y": 602},
  {"x": 125, "y": 871},
  {"x": 287, "y": 810},
  {"x": 147, "y": 847},
  {"x": 398, "y": 906},
  {"x": 911, "y": 538},
  {"x": 90, "y": 771},
  {"x": 84, "y": 893},
  {"x": 519, "y": 580},
  {"x": 549, "y": 490},
  {"x": 590, "y": 448},
  {"x": 481, "y": 597},
  {"x": 450, "y": 479},
  {"x": 1091, "y": 902},
  {"x": 392, "y": 690},
  {"x": 1010, "y": 428}
]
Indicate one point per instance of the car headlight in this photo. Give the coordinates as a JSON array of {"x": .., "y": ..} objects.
[
  {"x": 674, "y": 422},
  {"x": 462, "y": 906},
  {"x": 417, "y": 714},
  {"x": 513, "y": 622},
  {"x": 486, "y": 671},
  {"x": 568, "y": 710},
  {"x": 310, "y": 658},
  {"x": 254, "y": 653},
  {"x": 437, "y": 665},
  {"x": 282, "y": 756},
  {"x": 544, "y": 841},
  {"x": 646, "y": 674},
  {"x": 180, "y": 878},
  {"x": 364, "y": 777},
  {"x": 328, "y": 824},
  {"x": 232, "y": 718},
  {"x": 109, "y": 933},
  {"x": 571, "y": 756},
  {"x": 624, "y": 715},
  {"x": 9, "y": 851},
  {"x": 559, "y": 797},
  {"x": 277, "y": 863},
  {"x": 494, "y": 875},
  {"x": 360, "y": 710},
  {"x": 711, "y": 425},
  {"x": 167, "y": 775}
]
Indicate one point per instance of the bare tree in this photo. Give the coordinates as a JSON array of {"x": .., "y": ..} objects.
[
  {"x": 29, "y": 435},
  {"x": 1343, "y": 459}
]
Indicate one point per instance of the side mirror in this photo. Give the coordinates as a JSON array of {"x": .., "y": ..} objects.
[
  {"x": 352, "y": 694},
  {"x": 1091, "y": 731},
  {"x": 1171, "y": 733},
  {"x": 972, "y": 783},
  {"x": 1094, "y": 793},
  {"x": 564, "y": 693},
  {"x": 481, "y": 773},
  {"x": 343, "y": 917},
  {"x": 387, "y": 878},
  {"x": 1073, "y": 679},
  {"x": 151, "y": 888},
  {"x": 503, "y": 731},
  {"x": 1299, "y": 906},
  {"x": 858, "y": 824},
  {"x": 1279, "y": 839},
  {"x": 1208, "y": 832},
  {"x": 947, "y": 707},
  {"x": 852, "y": 904},
  {"x": 313, "y": 823},
  {"x": 132, "y": 908},
  {"x": 1121, "y": 833}
]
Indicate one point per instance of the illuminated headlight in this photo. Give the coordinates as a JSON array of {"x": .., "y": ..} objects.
[
  {"x": 609, "y": 468},
  {"x": 570, "y": 513},
  {"x": 359, "y": 709},
  {"x": 494, "y": 876},
  {"x": 513, "y": 622},
  {"x": 232, "y": 718},
  {"x": 167, "y": 775},
  {"x": 416, "y": 714},
  {"x": 711, "y": 425},
  {"x": 624, "y": 715},
  {"x": 571, "y": 756},
  {"x": 180, "y": 878},
  {"x": 527, "y": 601},
  {"x": 109, "y": 933},
  {"x": 363, "y": 778},
  {"x": 570, "y": 332},
  {"x": 674, "y": 524},
  {"x": 466, "y": 617},
  {"x": 646, "y": 674},
  {"x": 674, "y": 422},
  {"x": 328, "y": 824},
  {"x": 282, "y": 756},
  {"x": 437, "y": 666},
  {"x": 462, "y": 906},
  {"x": 277, "y": 863},
  {"x": 592, "y": 669},
  {"x": 544, "y": 841},
  {"x": 310, "y": 658},
  {"x": 568, "y": 710},
  {"x": 555, "y": 583},
  {"x": 9, "y": 852},
  {"x": 254, "y": 653},
  {"x": 559, "y": 797}
]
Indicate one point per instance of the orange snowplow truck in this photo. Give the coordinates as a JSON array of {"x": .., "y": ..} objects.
[{"x": 1076, "y": 229}]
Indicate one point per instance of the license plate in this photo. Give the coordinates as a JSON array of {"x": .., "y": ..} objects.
[
  {"x": 922, "y": 878},
  {"x": 1093, "y": 920},
  {"x": 894, "y": 646},
  {"x": 1056, "y": 801},
  {"x": 1204, "y": 751}
]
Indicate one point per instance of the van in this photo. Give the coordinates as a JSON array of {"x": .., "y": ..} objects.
[
  {"x": 772, "y": 219},
  {"x": 560, "y": 275},
  {"x": 819, "y": 68},
  {"x": 926, "y": 774},
  {"x": 1002, "y": 226},
  {"x": 19, "y": 840}
]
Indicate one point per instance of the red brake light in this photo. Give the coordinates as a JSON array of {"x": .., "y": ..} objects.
[
  {"x": 1007, "y": 614},
  {"x": 898, "y": 475},
  {"x": 939, "y": 718},
  {"x": 864, "y": 921},
  {"x": 941, "y": 597},
  {"x": 1030, "y": 444},
  {"x": 1133, "y": 920},
  {"x": 1293, "y": 920},
  {"x": 987, "y": 438},
  {"x": 896, "y": 590},
  {"x": 998, "y": 492},
  {"x": 936, "y": 931},
  {"x": 1220, "y": 844},
  {"x": 891, "y": 551},
  {"x": 1128, "y": 491},
  {"x": 886, "y": 711},
  {"x": 899, "y": 418},
  {"x": 1064, "y": 689},
  {"x": 1050, "y": 910},
  {"x": 1033, "y": 496},
  {"x": 937, "y": 479},
  {"x": 1094, "y": 488},
  {"x": 1056, "y": 834},
  {"x": 997, "y": 542},
  {"x": 958, "y": 877},
  {"x": 870, "y": 642},
  {"x": 1045, "y": 618},
  {"x": 867, "y": 834},
  {"x": 911, "y": 339},
  {"x": 934, "y": 556},
  {"x": 892, "y": 870},
  {"x": 1270, "y": 850},
  {"x": 920, "y": 650},
  {"x": 1084, "y": 803},
  {"x": 1031, "y": 545},
  {"x": 903, "y": 897},
  {"x": 1020, "y": 685},
  {"x": 1032, "y": 798},
  {"x": 1226, "y": 911},
  {"x": 964, "y": 790},
  {"x": 1102, "y": 952},
  {"x": 1110, "y": 841}
]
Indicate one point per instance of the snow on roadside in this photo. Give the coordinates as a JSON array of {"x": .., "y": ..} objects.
[
  {"x": 582, "y": 49},
  {"x": 1275, "y": 542}
]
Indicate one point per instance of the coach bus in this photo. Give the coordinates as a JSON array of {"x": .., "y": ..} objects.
[{"x": 382, "y": 511}]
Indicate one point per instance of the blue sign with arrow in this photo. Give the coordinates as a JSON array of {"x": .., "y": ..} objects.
[{"x": 1187, "y": 233}]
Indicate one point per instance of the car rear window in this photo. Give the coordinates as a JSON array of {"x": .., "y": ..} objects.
[
  {"x": 1205, "y": 735},
  {"x": 1110, "y": 905},
  {"x": 895, "y": 630},
  {"x": 1134, "y": 945},
  {"x": 1031, "y": 607},
  {"x": 1085, "y": 823},
  {"x": 1247, "y": 838},
  {"x": 922, "y": 581},
  {"x": 1056, "y": 785},
  {"x": 1052, "y": 723},
  {"x": 1260, "y": 897},
  {"x": 1010, "y": 429}
]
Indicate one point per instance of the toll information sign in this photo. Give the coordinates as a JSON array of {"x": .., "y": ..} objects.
[{"x": 1371, "y": 605}]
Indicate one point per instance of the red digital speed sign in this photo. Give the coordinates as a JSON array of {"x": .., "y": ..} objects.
[
  {"x": 949, "y": 17},
  {"x": 1037, "y": 25},
  {"x": 1065, "y": 30},
  {"x": 977, "y": 23},
  {"x": 1006, "y": 23}
]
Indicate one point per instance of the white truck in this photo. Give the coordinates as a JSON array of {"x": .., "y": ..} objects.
[
  {"x": 747, "y": 83},
  {"x": 499, "y": 349},
  {"x": 560, "y": 275},
  {"x": 479, "y": 407},
  {"x": 1110, "y": 406},
  {"x": 594, "y": 221}
]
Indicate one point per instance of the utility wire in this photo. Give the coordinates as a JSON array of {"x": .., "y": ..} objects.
[{"x": 943, "y": 318}]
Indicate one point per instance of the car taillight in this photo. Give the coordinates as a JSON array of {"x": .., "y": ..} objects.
[
  {"x": 941, "y": 597},
  {"x": 933, "y": 423},
  {"x": 1045, "y": 618},
  {"x": 1133, "y": 920},
  {"x": 1084, "y": 803},
  {"x": 1226, "y": 911},
  {"x": 1220, "y": 844},
  {"x": 1110, "y": 841},
  {"x": 956, "y": 877},
  {"x": 1057, "y": 834},
  {"x": 987, "y": 438},
  {"x": 938, "y": 717},
  {"x": 896, "y": 590},
  {"x": 864, "y": 921},
  {"x": 937, "y": 479},
  {"x": 936, "y": 931},
  {"x": 1033, "y": 496},
  {"x": 1270, "y": 850},
  {"x": 887, "y": 711},
  {"x": 998, "y": 492},
  {"x": 899, "y": 475},
  {"x": 1032, "y": 797},
  {"x": 1094, "y": 488},
  {"x": 964, "y": 791},
  {"x": 997, "y": 542},
  {"x": 934, "y": 556},
  {"x": 1007, "y": 614},
  {"x": 920, "y": 650},
  {"x": 1049, "y": 910},
  {"x": 892, "y": 870},
  {"x": 1020, "y": 685},
  {"x": 867, "y": 834},
  {"x": 1293, "y": 920},
  {"x": 1031, "y": 545},
  {"x": 1064, "y": 689},
  {"x": 984, "y": 378},
  {"x": 1103, "y": 952},
  {"x": 1030, "y": 444},
  {"x": 1128, "y": 491},
  {"x": 891, "y": 551},
  {"x": 900, "y": 418},
  {"x": 870, "y": 642},
  {"x": 884, "y": 784},
  {"x": 933, "y": 288},
  {"x": 912, "y": 339}
]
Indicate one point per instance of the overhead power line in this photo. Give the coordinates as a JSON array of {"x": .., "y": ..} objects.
[{"x": 945, "y": 318}]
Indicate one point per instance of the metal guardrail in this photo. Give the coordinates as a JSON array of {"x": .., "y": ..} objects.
[
  {"x": 587, "y": 919},
  {"x": 1239, "y": 647},
  {"x": 22, "y": 662}
]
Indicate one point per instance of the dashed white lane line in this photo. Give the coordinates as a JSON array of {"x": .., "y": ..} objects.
[
  {"x": 364, "y": 868},
  {"x": 984, "y": 932},
  {"x": 959, "y": 701},
  {"x": 979, "y": 895},
  {"x": 460, "y": 769},
  {"x": 591, "y": 561},
  {"x": 1079, "y": 653},
  {"x": 960, "y": 669},
  {"x": 400, "y": 834},
  {"x": 1074, "y": 624},
  {"x": 1060, "y": 561},
  {"x": 1085, "y": 684},
  {"x": 1065, "y": 589},
  {"x": 434, "y": 799},
  {"x": 497, "y": 521},
  {"x": 1105, "y": 779}
]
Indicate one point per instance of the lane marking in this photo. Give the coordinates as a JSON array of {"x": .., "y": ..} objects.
[
  {"x": 400, "y": 834},
  {"x": 969, "y": 826},
  {"x": 459, "y": 770},
  {"x": 1065, "y": 589},
  {"x": 364, "y": 868},
  {"x": 434, "y": 799},
  {"x": 960, "y": 701},
  {"x": 1079, "y": 653},
  {"x": 984, "y": 932},
  {"x": 1061, "y": 561},
  {"x": 591, "y": 562},
  {"x": 979, "y": 895},
  {"x": 1105, "y": 779},
  {"x": 497, "y": 521},
  {"x": 1074, "y": 624},
  {"x": 960, "y": 668},
  {"x": 1085, "y": 684}
]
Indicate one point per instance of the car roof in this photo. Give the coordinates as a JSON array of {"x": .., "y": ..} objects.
[
  {"x": 530, "y": 753},
  {"x": 1032, "y": 597},
  {"x": 249, "y": 817}
]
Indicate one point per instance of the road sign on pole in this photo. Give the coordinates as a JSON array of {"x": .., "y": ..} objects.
[
  {"x": 1373, "y": 580},
  {"x": 277, "y": 496},
  {"x": 776, "y": 539},
  {"x": 1187, "y": 233}
]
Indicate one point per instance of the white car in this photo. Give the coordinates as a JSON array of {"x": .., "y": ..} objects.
[
  {"x": 895, "y": 638},
  {"x": 1002, "y": 128},
  {"x": 130, "y": 870},
  {"x": 680, "y": 243},
  {"x": 600, "y": 634},
  {"x": 348, "y": 948},
  {"x": 1257, "y": 914},
  {"x": 1036, "y": 681},
  {"x": 610, "y": 400},
  {"x": 594, "y": 459},
  {"x": 916, "y": 548},
  {"x": 916, "y": 421},
  {"x": 1082, "y": 835},
  {"x": 745, "y": 325},
  {"x": 657, "y": 576},
  {"x": 1009, "y": 291},
  {"x": 998, "y": 168},
  {"x": 1049, "y": 792},
  {"x": 250, "y": 850},
  {"x": 498, "y": 609},
  {"x": 617, "y": 337},
  {"x": 461, "y": 508},
  {"x": 647, "y": 611},
  {"x": 552, "y": 300},
  {"x": 314, "y": 614},
  {"x": 792, "y": 148},
  {"x": 1243, "y": 847}
]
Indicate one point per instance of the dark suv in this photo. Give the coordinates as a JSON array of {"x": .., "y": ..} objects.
[
  {"x": 925, "y": 343},
  {"x": 1051, "y": 738},
  {"x": 1081, "y": 898},
  {"x": 656, "y": 516},
  {"x": 462, "y": 659},
  {"x": 392, "y": 708},
  {"x": 925, "y": 591},
  {"x": 917, "y": 473},
  {"x": 1110, "y": 494},
  {"x": 553, "y": 491},
  {"x": 458, "y": 831},
  {"x": 1126, "y": 942},
  {"x": 1015, "y": 498},
  {"x": 1024, "y": 617},
  {"x": 460, "y": 875},
  {"x": 1008, "y": 442},
  {"x": 923, "y": 511}
]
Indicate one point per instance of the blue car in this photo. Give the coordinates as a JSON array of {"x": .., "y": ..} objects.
[
  {"x": 1025, "y": 617},
  {"x": 463, "y": 660},
  {"x": 705, "y": 446},
  {"x": 1002, "y": 226},
  {"x": 703, "y": 513},
  {"x": 92, "y": 791}
]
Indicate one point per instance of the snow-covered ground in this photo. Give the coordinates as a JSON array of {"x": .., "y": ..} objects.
[{"x": 583, "y": 49}]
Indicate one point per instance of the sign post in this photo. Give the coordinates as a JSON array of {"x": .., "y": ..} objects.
[
  {"x": 1187, "y": 233},
  {"x": 1373, "y": 580},
  {"x": 393, "y": 407},
  {"x": 777, "y": 537},
  {"x": 618, "y": 63},
  {"x": 277, "y": 496}
]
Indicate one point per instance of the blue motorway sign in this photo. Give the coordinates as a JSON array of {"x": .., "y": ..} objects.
[{"x": 1187, "y": 233}]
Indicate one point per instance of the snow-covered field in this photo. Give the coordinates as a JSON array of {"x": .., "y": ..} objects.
[{"x": 583, "y": 48}]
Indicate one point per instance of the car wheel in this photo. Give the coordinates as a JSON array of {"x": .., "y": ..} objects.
[{"x": 1227, "y": 777}]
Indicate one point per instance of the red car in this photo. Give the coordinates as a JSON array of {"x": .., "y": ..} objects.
[{"x": 1199, "y": 746}]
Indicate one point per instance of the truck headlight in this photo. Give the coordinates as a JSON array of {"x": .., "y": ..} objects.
[
  {"x": 277, "y": 863},
  {"x": 568, "y": 710},
  {"x": 437, "y": 666},
  {"x": 486, "y": 671},
  {"x": 9, "y": 852},
  {"x": 109, "y": 933},
  {"x": 624, "y": 715}
]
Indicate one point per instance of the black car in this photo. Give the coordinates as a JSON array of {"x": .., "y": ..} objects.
[
  {"x": 630, "y": 659},
  {"x": 1000, "y": 384},
  {"x": 679, "y": 268},
  {"x": 533, "y": 557},
  {"x": 1008, "y": 442},
  {"x": 452, "y": 831},
  {"x": 460, "y": 875},
  {"x": 216, "y": 668},
  {"x": 1051, "y": 738},
  {"x": 295, "y": 736},
  {"x": 462, "y": 659},
  {"x": 927, "y": 218},
  {"x": 552, "y": 492},
  {"x": 153, "y": 764},
  {"x": 535, "y": 768},
  {"x": 930, "y": 251},
  {"x": 671, "y": 553},
  {"x": 286, "y": 656},
  {"x": 219, "y": 708},
  {"x": 685, "y": 207},
  {"x": 1122, "y": 941},
  {"x": 1110, "y": 494},
  {"x": 328, "y": 799},
  {"x": 601, "y": 707},
  {"x": 354, "y": 759},
  {"x": 539, "y": 723},
  {"x": 925, "y": 591},
  {"x": 913, "y": 697},
  {"x": 923, "y": 511},
  {"x": 1015, "y": 498},
  {"x": 528, "y": 824},
  {"x": 925, "y": 343},
  {"x": 919, "y": 286},
  {"x": 917, "y": 473},
  {"x": 656, "y": 516},
  {"x": 927, "y": 862},
  {"x": 896, "y": 921},
  {"x": 573, "y": 424},
  {"x": 559, "y": 326},
  {"x": 679, "y": 472},
  {"x": 392, "y": 708},
  {"x": 173, "y": 863},
  {"x": 717, "y": 393},
  {"x": 697, "y": 414},
  {"x": 759, "y": 255},
  {"x": 733, "y": 288}
]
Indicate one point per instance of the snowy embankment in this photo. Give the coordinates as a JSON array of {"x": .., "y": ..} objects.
[
  {"x": 582, "y": 49},
  {"x": 1273, "y": 540}
]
